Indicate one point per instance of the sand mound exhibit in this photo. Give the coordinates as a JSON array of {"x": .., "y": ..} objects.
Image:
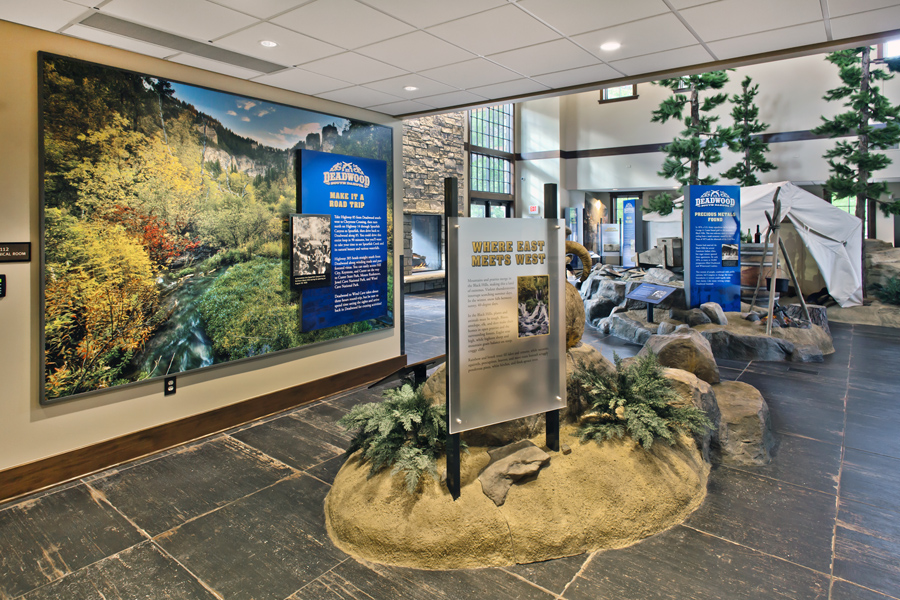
[{"x": 598, "y": 496}]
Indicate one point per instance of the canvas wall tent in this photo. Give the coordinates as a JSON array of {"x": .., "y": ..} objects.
[{"x": 832, "y": 236}]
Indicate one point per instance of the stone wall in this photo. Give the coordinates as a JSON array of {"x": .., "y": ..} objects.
[{"x": 433, "y": 148}]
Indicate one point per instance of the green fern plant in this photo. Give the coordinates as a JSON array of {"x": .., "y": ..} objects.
[
  {"x": 405, "y": 431},
  {"x": 635, "y": 400},
  {"x": 889, "y": 293}
]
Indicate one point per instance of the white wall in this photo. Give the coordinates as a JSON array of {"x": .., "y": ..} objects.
[
  {"x": 790, "y": 99},
  {"x": 28, "y": 431}
]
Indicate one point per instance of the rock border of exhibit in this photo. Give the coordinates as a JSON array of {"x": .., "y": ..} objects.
[{"x": 598, "y": 496}]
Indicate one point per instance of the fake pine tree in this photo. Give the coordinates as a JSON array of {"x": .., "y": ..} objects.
[
  {"x": 699, "y": 144},
  {"x": 873, "y": 121},
  {"x": 746, "y": 125}
]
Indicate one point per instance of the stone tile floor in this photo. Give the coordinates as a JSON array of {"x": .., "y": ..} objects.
[{"x": 239, "y": 514}]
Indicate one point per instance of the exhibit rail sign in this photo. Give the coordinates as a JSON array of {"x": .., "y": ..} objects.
[
  {"x": 712, "y": 241},
  {"x": 506, "y": 324}
]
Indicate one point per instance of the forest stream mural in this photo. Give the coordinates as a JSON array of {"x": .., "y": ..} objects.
[{"x": 165, "y": 216}]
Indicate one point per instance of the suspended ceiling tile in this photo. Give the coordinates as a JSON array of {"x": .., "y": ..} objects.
[
  {"x": 262, "y": 9},
  {"x": 304, "y": 82},
  {"x": 424, "y": 86},
  {"x": 196, "y": 19},
  {"x": 118, "y": 41},
  {"x": 353, "y": 67},
  {"x": 544, "y": 58},
  {"x": 293, "y": 48},
  {"x": 88, "y": 3},
  {"x": 496, "y": 30},
  {"x": 672, "y": 59},
  {"x": 840, "y": 8},
  {"x": 401, "y": 108},
  {"x": 730, "y": 18},
  {"x": 583, "y": 75},
  {"x": 572, "y": 17},
  {"x": 874, "y": 21},
  {"x": 425, "y": 13},
  {"x": 359, "y": 96},
  {"x": 471, "y": 73},
  {"x": 638, "y": 38},
  {"x": 519, "y": 87},
  {"x": 768, "y": 41},
  {"x": 207, "y": 64},
  {"x": 416, "y": 51},
  {"x": 459, "y": 98},
  {"x": 679, "y": 4},
  {"x": 344, "y": 23},
  {"x": 42, "y": 14}
]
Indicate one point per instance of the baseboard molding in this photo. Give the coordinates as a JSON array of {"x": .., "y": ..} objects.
[{"x": 39, "y": 474}]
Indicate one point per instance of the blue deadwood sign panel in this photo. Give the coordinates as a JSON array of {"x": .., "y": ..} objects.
[
  {"x": 628, "y": 233},
  {"x": 650, "y": 293},
  {"x": 712, "y": 239},
  {"x": 353, "y": 192}
]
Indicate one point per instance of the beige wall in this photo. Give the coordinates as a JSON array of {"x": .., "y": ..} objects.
[{"x": 29, "y": 431}]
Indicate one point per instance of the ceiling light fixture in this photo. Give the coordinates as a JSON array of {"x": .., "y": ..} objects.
[
  {"x": 610, "y": 46},
  {"x": 268, "y": 43},
  {"x": 410, "y": 88}
]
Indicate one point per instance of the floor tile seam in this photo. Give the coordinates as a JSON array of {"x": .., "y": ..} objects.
[
  {"x": 323, "y": 574},
  {"x": 580, "y": 573},
  {"x": 804, "y": 437},
  {"x": 256, "y": 450},
  {"x": 82, "y": 568},
  {"x": 880, "y": 593},
  {"x": 756, "y": 550},
  {"x": 554, "y": 595},
  {"x": 837, "y": 505},
  {"x": 775, "y": 479},
  {"x": 870, "y": 453},
  {"x": 197, "y": 578},
  {"x": 95, "y": 493},
  {"x": 869, "y": 504},
  {"x": 163, "y": 534}
]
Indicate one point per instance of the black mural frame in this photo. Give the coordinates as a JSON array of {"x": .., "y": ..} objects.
[{"x": 42, "y": 56}]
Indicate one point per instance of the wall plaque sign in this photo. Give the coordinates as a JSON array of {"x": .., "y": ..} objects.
[{"x": 15, "y": 252}]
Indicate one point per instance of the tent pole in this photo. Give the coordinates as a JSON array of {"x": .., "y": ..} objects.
[
  {"x": 776, "y": 225},
  {"x": 790, "y": 268},
  {"x": 762, "y": 259}
]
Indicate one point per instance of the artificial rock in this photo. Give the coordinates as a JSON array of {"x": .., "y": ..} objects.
[
  {"x": 714, "y": 311},
  {"x": 688, "y": 351},
  {"x": 745, "y": 429},
  {"x": 693, "y": 391},
  {"x": 509, "y": 464}
]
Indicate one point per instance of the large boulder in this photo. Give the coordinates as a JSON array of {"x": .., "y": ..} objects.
[
  {"x": 745, "y": 429},
  {"x": 661, "y": 275},
  {"x": 508, "y": 465},
  {"x": 732, "y": 345},
  {"x": 607, "y": 294},
  {"x": 624, "y": 327},
  {"x": 817, "y": 314},
  {"x": 693, "y": 391},
  {"x": 714, "y": 311},
  {"x": 692, "y": 317},
  {"x": 574, "y": 315},
  {"x": 882, "y": 262},
  {"x": 687, "y": 351}
]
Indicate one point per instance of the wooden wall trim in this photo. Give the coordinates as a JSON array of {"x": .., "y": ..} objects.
[{"x": 39, "y": 474}]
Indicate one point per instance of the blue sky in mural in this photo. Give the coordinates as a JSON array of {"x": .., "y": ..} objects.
[{"x": 274, "y": 125}]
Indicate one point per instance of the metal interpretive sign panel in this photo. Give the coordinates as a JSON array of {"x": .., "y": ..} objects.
[
  {"x": 651, "y": 293},
  {"x": 506, "y": 343}
]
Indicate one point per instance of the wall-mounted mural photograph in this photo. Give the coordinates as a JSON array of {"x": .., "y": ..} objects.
[{"x": 166, "y": 224}]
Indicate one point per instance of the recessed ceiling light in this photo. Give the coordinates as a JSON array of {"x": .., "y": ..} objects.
[
  {"x": 610, "y": 46},
  {"x": 268, "y": 43},
  {"x": 410, "y": 88}
]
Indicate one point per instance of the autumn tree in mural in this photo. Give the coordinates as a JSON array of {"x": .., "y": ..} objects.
[{"x": 163, "y": 226}]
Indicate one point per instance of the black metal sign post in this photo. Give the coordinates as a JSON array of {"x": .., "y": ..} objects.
[
  {"x": 652, "y": 294},
  {"x": 552, "y": 417},
  {"x": 451, "y": 197}
]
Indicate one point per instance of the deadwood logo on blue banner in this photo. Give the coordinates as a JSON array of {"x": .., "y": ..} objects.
[
  {"x": 353, "y": 191},
  {"x": 712, "y": 238}
]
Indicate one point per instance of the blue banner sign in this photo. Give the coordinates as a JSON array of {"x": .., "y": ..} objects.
[
  {"x": 712, "y": 242},
  {"x": 353, "y": 192},
  {"x": 628, "y": 234}
]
